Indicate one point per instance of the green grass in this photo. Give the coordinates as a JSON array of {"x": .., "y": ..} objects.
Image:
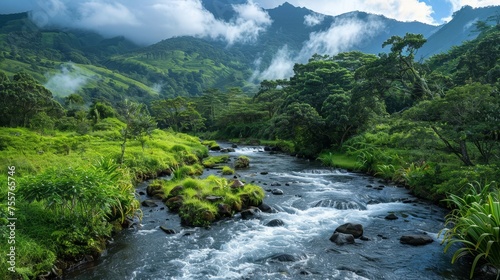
[
  {"x": 65, "y": 222},
  {"x": 339, "y": 160}
]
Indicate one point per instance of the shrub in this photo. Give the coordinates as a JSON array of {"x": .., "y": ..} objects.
[{"x": 476, "y": 225}]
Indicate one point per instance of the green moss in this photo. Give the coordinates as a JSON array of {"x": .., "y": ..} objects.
[
  {"x": 195, "y": 191},
  {"x": 212, "y": 161},
  {"x": 226, "y": 170},
  {"x": 242, "y": 162},
  {"x": 195, "y": 212},
  {"x": 211, "y": 144}
]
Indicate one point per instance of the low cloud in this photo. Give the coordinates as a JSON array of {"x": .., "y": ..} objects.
[
  {"x": 342, "y": 35},
  {"x": 68, "y": 80},
  {"x": 281, "y": 66},
  {"x": 150, "y": 21},
  {"x": 313, "y": 19}
]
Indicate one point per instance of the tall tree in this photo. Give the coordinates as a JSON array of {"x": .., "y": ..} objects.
[
  {"x": 138, "y": 124},
  {"x": 403, "y": 50}
]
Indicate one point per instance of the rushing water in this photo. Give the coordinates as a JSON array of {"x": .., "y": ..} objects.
[{"x": 315, "y": 201}]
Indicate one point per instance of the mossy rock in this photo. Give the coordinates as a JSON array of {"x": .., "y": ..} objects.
[
  {"x": 242, "y": 162},
  {"x": 177, "y": 190},
  {"x": 226, "y": 170},
  {"x": 197, "y": 213},
  {"x": 175, "y": 203},
  {"x": 212, "y": 162},
  {"x": 154, "y": 187}
]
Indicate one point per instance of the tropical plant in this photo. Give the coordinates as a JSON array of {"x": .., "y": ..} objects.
[{"x": 476, "y": 225}]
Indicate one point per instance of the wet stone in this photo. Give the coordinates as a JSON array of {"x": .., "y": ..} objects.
[
  {"x": 391, "y": 217},
  {"x": 149, "y": 203}
]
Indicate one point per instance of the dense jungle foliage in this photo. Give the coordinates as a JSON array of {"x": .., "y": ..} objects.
[{"x": 432, "y": 126}]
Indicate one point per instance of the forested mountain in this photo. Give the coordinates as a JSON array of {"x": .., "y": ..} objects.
[{"x": 110, "y": 68}]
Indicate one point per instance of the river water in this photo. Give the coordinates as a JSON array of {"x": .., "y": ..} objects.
[{"x": 315, "y": 202}]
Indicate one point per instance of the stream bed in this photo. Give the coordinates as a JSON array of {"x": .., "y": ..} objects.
[{"x": 315, "y": 201}]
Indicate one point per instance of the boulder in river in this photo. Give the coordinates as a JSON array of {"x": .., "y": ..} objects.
[
  {"x": 342, "y": 238},
  {"x": 355, "y": 229},
  {"x": 224, "y": 210},
  {"x": 284, "y": 258},
  {"x": 168, "y": 230},
  {"x": 266, "y": 208},
  {"x": 277, "y": 192},
  {"x": 416, "y": 239},
  {"x": 275, "y": 223},
  {"x": 153, "y": 188},
  {"x": 175, "y": 203},
  {"x": 391, "y": 217},
  {"x": 250, "y": 213},
  {"x": 149, "y": 203},
  {"x": 237, "y": 184},
  {"x": 242, "y": 162}
]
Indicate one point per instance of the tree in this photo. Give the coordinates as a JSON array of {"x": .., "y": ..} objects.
[
  {"x": 138, "y": 124},
  {"x": 403, "y": 49},
  {"x": 467, "y": 114},
  {"x": 22, "y": 98},
  {"x": 178, "y": 113},
  {"x": 301, "y": 123}
]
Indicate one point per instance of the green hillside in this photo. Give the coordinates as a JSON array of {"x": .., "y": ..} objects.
[
  {"x": 184, "y": 66},
  {"x": 116, "y": 68}
]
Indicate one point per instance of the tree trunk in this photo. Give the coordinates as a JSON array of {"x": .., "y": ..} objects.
[{"x": 465, "y": 154}]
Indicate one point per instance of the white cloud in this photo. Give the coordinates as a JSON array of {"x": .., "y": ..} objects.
[
  {"x": 149, "y": 21},
  {"x": 403, "y": 10},
  {"x": 313, "y": 19},
  {"x": 342, "y": 35},
  {"x": 281, "y": 66},
  {"x": 457, "y": 4},
  {"x": 68, "y": 81}
]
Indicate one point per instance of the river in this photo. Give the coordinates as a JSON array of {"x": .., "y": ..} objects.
[{"x": 315, "y": 202}]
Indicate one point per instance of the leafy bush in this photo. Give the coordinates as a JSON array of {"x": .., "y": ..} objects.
[{"x": 476, "y": 225}]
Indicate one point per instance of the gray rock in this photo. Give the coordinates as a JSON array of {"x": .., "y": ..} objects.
[
  {"x": 168, "y": 230},
  {"x": 416, "y": 239},
  {"x": 342, "y": 238},
  {"x": 355, "y": 229},
  {"x": 277, "y": 192},
  {"x": 251, "y": 213},
  {"x": 391, "y": 217},
  {"x": 275, "y": 223},
  {"x": 149, "y": 203}
]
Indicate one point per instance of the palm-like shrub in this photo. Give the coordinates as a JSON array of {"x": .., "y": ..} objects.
[{"x": 475, "y": 224}]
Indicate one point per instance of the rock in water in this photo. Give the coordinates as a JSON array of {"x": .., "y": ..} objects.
[
  {"x": 416, "y": 239},
  {"x": 149, "y": 203},
  {"x": 275, "y": 223},
  {"x": 355, "y": 229},
  {"x": 342, "y": 238},
  {"x": 391, "y": 216}
]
